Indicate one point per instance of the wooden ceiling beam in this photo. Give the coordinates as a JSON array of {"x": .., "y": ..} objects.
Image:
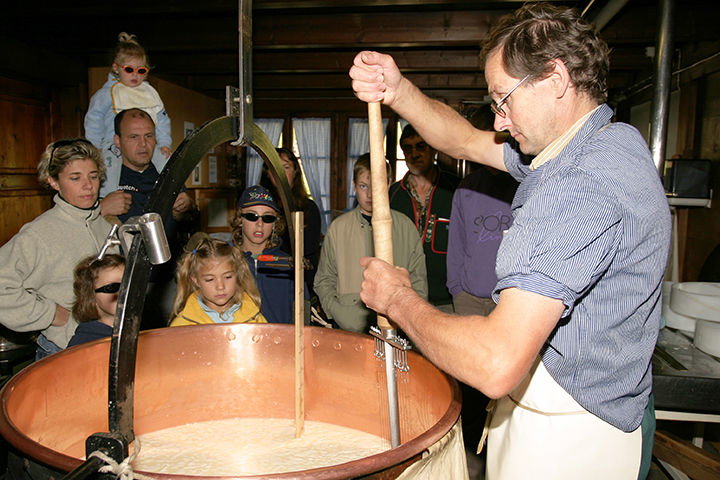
[
  {"x": 70, "y": 8},
  {"x": 316, "y": 62},
  {"x": 339, "y": 84},
  {"x": 187, "y": 34},
  {"x": 310, "y": 82},
  {"x": 398, "y": 29}
]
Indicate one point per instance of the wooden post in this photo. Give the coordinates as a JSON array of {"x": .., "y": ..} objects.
[
  {"x": 298, "y": 221},
  {"x": 381, "y": 218}
]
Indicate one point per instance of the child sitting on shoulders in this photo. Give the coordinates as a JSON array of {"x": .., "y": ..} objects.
[
  {"x": 96, "y": 286},
  {"x": 126, "y": 87},
  {"x": 214, "y": 285}
]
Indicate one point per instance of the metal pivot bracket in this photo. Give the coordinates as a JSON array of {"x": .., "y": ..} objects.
[
  {"x": 400, "y": 345},
  {"x": 233, "y": 105},
  {"x": 111, "y": 444},
  {"x": 110, "y": 241},
  {"x": 150, "y": 226}
]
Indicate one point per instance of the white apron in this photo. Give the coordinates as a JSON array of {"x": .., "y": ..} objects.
[{"x": 539, "y": 431}]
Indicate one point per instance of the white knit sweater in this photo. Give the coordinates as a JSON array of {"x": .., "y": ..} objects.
[{"x": 36, "y": 267}]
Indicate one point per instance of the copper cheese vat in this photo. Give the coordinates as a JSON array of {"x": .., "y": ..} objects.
[{"x": 199, "y": 373}]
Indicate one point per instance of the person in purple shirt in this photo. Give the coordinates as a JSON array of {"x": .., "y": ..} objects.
[{"x": 480, "y": 214}]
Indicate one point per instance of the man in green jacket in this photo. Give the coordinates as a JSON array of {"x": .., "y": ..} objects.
[{"x": 425, "y": 195}]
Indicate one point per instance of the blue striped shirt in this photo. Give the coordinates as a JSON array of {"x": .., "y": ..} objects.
[{"x": 592, "y": 228}]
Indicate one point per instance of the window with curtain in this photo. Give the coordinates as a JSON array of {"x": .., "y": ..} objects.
[
  {"x": 400, "y": 167},
  {"x": 273, "y": 129},
  {"x": 313, "y": 141},
  {"x": 358, "y": 143}
]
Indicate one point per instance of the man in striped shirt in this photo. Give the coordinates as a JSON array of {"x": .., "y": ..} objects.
[{"x": 567, "y": 351}]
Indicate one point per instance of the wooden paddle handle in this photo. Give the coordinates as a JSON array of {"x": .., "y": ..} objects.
[
  {"x": 381, "y": 218},
  {"x": 298, "y": 219}
]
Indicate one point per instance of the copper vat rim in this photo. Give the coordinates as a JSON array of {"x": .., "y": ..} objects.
[{"x": 366, "y": 467}]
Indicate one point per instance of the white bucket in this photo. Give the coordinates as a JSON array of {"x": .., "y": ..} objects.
[
  {"x": 671, "y": 318},
  {"x": 700, "y": 301}
]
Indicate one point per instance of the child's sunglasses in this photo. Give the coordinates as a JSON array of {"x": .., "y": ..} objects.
[
  {"x": 109, "y": 288},
  {"x": 254, "y": 217},
  {"x": 131, "y": 69}
]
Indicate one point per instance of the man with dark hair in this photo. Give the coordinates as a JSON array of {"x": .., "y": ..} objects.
[
  {"x": 567, "y": 351},
  {"x": 135, "y": 137},
  {"x": 425, "y": 195}
]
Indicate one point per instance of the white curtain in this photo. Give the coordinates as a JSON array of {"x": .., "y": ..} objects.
[
  {"x": 313, "y": 140},
  {"x": 358, "y": 143},
  {"x": 272, "y": 128},
  {"x": 400, "y": 166}
]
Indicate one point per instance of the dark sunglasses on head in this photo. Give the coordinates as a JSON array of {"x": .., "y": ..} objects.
[
  {"x": 109, "y": 288},
  {"x": 131, "y": 69},
  {"x": 254, "y": 217},
  {"x": 65, "y": 143}
]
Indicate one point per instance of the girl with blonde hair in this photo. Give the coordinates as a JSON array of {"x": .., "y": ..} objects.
[{"x": 215, "y": 285}]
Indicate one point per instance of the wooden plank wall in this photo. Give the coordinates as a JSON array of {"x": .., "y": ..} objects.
[{"x": 25, "y": 130}]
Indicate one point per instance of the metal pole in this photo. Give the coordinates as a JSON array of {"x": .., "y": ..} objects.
[
  {"x": 392, "y": 391},
  {"x": 607, "y": 13},
  {"x": 661, "y": 88},
  {"x": 245, "y": 79}
]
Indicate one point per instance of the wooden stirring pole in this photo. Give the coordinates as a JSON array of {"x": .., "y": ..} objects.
[
  {"x": 299, "y": 325},
  {"x": 382, "y": 240}
]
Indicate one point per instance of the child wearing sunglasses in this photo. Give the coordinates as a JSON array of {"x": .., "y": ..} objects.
[
  {"x": 96, "y": 286},
  {"x": 215, "y": 285},
  {"x": 257, "y": 230},
  {"x": 126, "y": 87}
]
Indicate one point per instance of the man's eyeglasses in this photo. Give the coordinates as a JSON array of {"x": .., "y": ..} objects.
[
  {"x": 254, "y": 217},
  {"x": 131, "y": 69},
  {"x": 109, "y": 288},
  {"x": 496, "y": 107},
  {"x": 407, "y": 148}
]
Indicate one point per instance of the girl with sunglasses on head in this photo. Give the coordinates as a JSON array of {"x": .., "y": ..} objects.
[
  {"x": 36, "y": 265},
  {"x": 126, "y": 87},
  {"x": 96, "y": 287},
  {"x": 215, "y": 285},
  {"x": 257, "y": 230}
]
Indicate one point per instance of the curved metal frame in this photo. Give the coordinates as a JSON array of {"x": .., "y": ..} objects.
[{"x": 123, "y": 349}]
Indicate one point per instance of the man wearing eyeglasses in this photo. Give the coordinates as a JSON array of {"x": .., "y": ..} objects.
[
  {"x": 567, "y": 351},
  {"x": 425, "y": 195}
]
